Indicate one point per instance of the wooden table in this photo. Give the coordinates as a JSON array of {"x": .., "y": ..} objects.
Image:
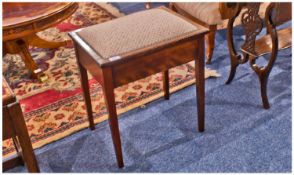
[
  {"x": 21, "y": 22},
  {"x": 14, "y": 127}
]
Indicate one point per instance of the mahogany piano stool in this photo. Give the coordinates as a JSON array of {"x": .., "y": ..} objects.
[{"x": 136, "y": 46}]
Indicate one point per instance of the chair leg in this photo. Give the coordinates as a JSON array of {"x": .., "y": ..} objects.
[
  {"x": 234, "y": 65},
  {"x": 263, "y": 74},
  {"x": 170, "y": 6},
  {"x": 200, "y": 84},
  {"x": 210, "y": 40},
  {"x": 234, "y": 56},
  {"x": 87, "y": 97},
  {"x": 108, "y": 89},
  {"x": 263, "y": 90},
  {"x": 165, "y": 79},
  {"x": 27, "y": 151},
  {"x": 148, "y": 5}
]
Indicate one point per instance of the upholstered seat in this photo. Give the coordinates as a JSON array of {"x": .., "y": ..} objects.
[
  {"x": 137, "y": 32},
  {"x": 205, "y": 12}
]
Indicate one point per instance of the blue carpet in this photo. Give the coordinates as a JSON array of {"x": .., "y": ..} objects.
[
  {"x": 128, "y": 8},
  {"x": 240, "y": 135}
]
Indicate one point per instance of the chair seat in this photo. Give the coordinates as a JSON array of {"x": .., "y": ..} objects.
[
  {"x": 206, "y": 12},
  {"x": 209, "y": 13},
  {"x": 263, "y": 45},
  {"x": 137, "y": 32}
]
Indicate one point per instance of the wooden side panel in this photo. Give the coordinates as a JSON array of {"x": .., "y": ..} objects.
[
  {"x": 89, "y": 63},
  {"x": 146, "y": 65}
]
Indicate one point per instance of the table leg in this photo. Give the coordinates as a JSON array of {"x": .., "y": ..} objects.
[
  {"x": 200, "y": 83},
  {"x": 30, "y": 63},
  {"x": 22, "y": 48},
  {"x": 108, "y": 89},
  {"x": 35, "y": 40}
]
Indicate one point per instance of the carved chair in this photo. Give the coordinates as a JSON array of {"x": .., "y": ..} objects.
[
  {"x": 207, "y": 14},
  {"x": 253, "y": 47}
]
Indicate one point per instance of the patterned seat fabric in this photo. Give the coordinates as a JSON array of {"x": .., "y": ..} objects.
[
  {"x": 204, "y": 11},
  {"x": 134, "y": 32},
  {"x": 209, "y": 12}
]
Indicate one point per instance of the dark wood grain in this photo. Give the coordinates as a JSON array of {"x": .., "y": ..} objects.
[
  {"x": 210, "y": 43},
  {"x": 23, "y": 137},
  {"x": 263, "y": 45},
  {"x": 165, "y": 82},
  {"x": 86, "y": 91},
  {"x": 155, "y": 62},
  {"x": 30, "y": 18},
  {"x": 108, "y": 89},
  {"x": 14, "y": 127},
  {"x": 21, "y": 22},
  {"x": 200, "y": 85},
  {"x": 276, "y": 14}
]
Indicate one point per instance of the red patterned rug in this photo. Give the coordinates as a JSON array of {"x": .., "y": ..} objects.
[{"x": 55, "y": 109}]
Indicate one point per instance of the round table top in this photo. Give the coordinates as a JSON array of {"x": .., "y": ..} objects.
[
  {"x": 26, "y": 18},
  {"x": 16, "y": 13}
]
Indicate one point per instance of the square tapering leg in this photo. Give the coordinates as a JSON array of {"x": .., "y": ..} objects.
[
  {"x": 165, "y": 82},
  {"x": 200, "y": 84},
  {"x": 87, "y": 97},
  {"x": 108, "y": 90}
]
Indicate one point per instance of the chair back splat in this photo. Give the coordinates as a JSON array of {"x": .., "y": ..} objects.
[{"x": 276, "y": 14}]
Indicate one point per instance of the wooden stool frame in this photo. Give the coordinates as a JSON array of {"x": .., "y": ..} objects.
[{"x": 140, "y": 65}]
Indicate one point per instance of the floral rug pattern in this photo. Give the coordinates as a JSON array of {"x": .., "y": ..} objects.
[{"x": 55, "y": 109}]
